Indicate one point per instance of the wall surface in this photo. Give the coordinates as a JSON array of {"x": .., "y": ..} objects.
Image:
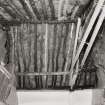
[{"x": 84, "y": 97}]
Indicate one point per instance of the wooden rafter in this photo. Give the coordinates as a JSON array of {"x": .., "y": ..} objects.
[
  {"x": 8, "y": 10},
  {"x": 52, "y": 9},
  {"x": 20, "y": 10},
  {"x": 6, "y": 16},
  {"x": 90, "y": 44},
  {"x": 35, "y": 10},
  {"x": 44, "y": 9},
  {"x": 26, "y": 8},
  {"x": 9, "y": 6},
  {"x": 16, "y": 11}
]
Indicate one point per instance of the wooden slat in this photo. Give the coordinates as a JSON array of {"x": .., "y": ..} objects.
[
  {"x": 15, "y": 22},
  {"x": 43, "y": 73},
  {"x": 31, "y": 10},
  {"x": 9, "y": 11},
  {"x": 19, "y": 9},
  {"x": 26, "y": 8},
  {"x": 67, "y": 58},
  {"x": 5, "y": 16},
  {"x": 44, "y": 9},
  {"x": 75, "y": 48},
  {"x": 76, "y": 38},
  {"x": 35, "y": 10},
  {"x": 5, "y": 72},
  {"x": 46, "y": 50},
  {"x": 14, "y": 9},
  {"x": 61, "y": 3}
]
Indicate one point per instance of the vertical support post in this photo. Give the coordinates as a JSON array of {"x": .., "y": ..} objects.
[{"x": 46, "y": 49}]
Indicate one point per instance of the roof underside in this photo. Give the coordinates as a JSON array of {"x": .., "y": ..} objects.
[
  {"x": 28, "y": 9},
  {"x": 32, "y": 9}
]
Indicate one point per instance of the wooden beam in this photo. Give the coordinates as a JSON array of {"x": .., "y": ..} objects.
[
  {"x": 89, "y": 28},
  {"x": 15, "y": 22},
  {"x": 20, "y": 10},
  {"x": 13, "y": 9},
  {"x": 74, "y": 51},
  {"x": 52, "y": 9},
  {"x": 95, "y": 32}
]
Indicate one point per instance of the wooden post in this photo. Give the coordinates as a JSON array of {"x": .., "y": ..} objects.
[
  {"x": 75, "y": 48},
  {"x": 46, "y": 50}
]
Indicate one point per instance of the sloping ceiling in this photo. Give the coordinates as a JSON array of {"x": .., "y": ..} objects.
[{"x": 34, "y": 9}]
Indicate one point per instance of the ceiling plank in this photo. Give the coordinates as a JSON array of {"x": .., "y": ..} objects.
[
  {"x": 52, "y": 9},
  {"x": 44, "y": 9},
  {"x": 19, "y": 9},
  {"x": 35, "y": 10},
  {"x": 28, "y": 9}
]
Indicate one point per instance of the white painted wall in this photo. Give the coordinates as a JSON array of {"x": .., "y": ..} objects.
[{"x": 55, "y": 98}]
